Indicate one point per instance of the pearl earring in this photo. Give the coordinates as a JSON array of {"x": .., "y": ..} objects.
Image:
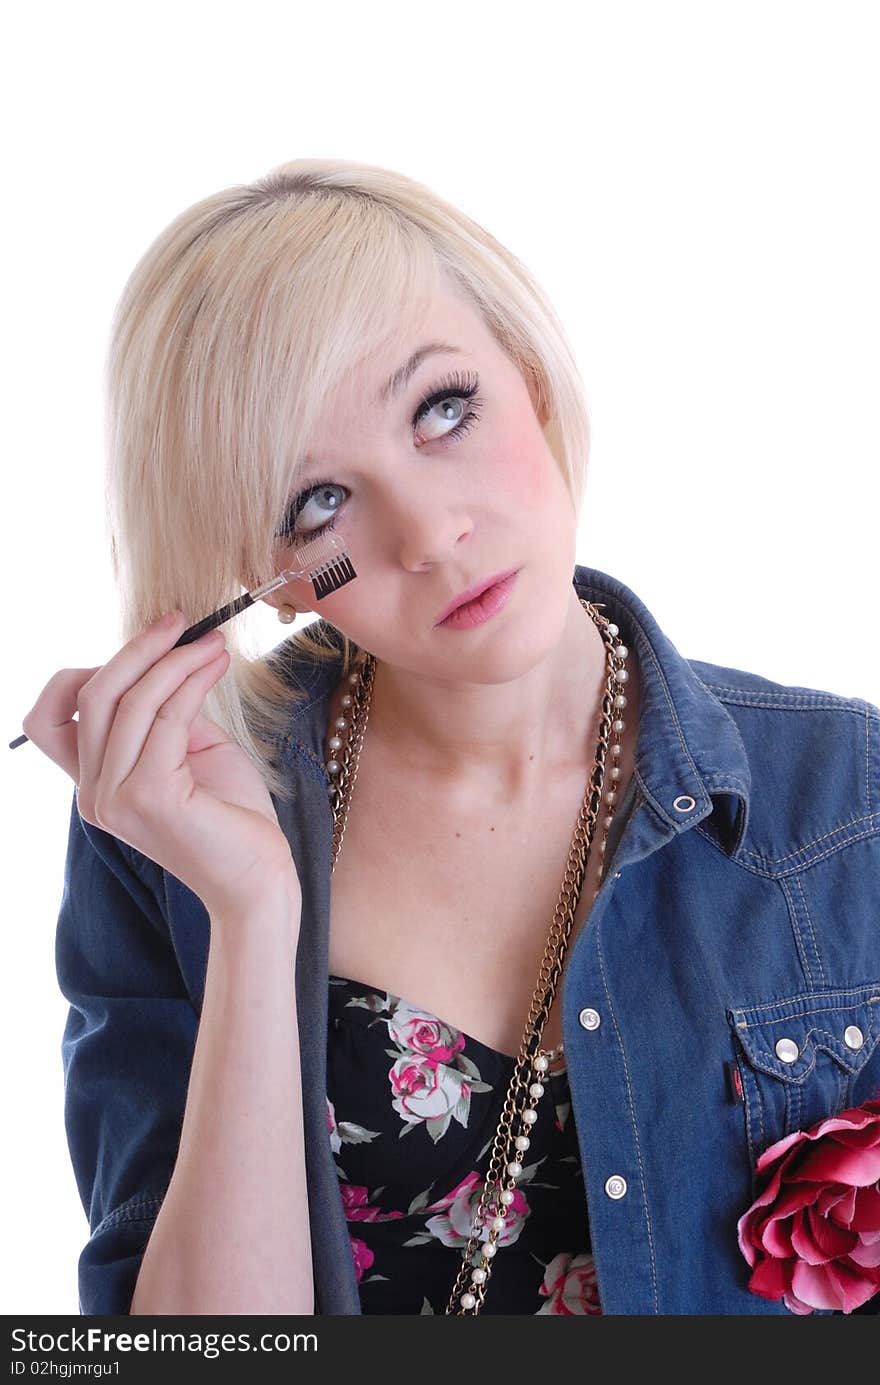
[{"x": 287, "y": 614}]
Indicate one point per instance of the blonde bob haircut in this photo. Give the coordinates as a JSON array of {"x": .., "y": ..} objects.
[{"x": 232, "y": 329}]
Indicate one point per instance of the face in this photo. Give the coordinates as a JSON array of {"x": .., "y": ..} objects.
[{"x": 442, "y": 485}]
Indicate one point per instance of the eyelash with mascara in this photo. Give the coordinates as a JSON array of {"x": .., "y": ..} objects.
[{"x": 455, "y": 386}]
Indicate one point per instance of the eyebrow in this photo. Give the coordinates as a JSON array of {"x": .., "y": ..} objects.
[{"x": 401, "y": 377}]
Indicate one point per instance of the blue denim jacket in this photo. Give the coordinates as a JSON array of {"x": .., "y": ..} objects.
[{"x": 742, "y": 906}]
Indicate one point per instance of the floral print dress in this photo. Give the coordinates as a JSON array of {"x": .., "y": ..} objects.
[{"x": 413, "y": 1105}]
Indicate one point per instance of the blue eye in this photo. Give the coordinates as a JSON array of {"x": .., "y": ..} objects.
[{"x": 455, "y": 386}]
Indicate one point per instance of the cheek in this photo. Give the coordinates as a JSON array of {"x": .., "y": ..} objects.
[{"x": 527, "y": 469}]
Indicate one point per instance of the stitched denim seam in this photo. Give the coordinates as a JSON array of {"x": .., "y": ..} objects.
[
  {"x": 799, "y": 882},
  {"x": 794, "y": 1000},
  {"x": 868, "y": 760},
  {"x": 318, "y": 770},
  {"x": 754, "y": 1117},
  {"x": 725, "y": 781},
  {"x": 632, "y": 1116},
  {"x": 751, "y": 1135},
  {"x": 795, "y": 928},
  {"x": 787, "y": 1112},
  {"x": 837, "y": 1046},
  {"x": 847, "y": 841},
  {"x": 130, "y": 1212},
  {"x": 796, "y": 1092},
  {"x": 785, "y": 701},
  {"x": 771, "y": 874},
  {"x": 834, "y": 832},
  {"x": 833, "y": 1048},
  {"x": 779, "y": 1073},
  {"x": 783, "y": 1074}
]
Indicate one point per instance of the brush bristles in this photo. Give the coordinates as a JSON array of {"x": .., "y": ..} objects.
[
  {"x": 323, "y": 562},
  {"x": 337, "y": 573}
]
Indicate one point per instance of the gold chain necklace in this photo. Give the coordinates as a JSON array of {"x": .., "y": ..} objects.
[{"x": 525, "y": 1089}]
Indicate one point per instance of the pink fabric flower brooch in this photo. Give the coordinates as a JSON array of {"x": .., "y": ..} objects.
[{"x": 812, "y": 1236}]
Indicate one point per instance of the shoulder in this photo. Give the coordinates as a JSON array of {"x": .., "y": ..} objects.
[
  {"x": 732, "y": 685},
  {"x": 807, "y": 718},
  {"x": 814, "y": 758}
]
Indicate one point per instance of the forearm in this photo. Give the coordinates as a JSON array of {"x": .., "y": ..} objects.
[{"x": 232, "y": 1235}]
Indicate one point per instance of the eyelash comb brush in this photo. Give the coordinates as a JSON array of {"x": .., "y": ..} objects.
[{"x": 323, "y": 561}]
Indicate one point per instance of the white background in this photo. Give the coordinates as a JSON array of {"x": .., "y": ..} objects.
[{"x": 693, "y": 183}]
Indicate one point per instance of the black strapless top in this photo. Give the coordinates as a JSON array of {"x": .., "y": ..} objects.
[{"x": 412, "y": 1110}]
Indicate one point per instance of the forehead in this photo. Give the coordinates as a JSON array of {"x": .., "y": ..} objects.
[{"x": 447, "y": 323}]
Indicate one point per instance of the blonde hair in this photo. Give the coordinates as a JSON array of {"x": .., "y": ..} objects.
[{"x": 233, "y": 327}]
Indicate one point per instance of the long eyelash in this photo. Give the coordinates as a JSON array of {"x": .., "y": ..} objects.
[
  {"x": 455, "y": 386},
  {"x": 452, "y": 386}
]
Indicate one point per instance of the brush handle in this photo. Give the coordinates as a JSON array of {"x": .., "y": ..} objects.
[
  {"x": 220, "y": 617},
  {"x": 201, "y": 627}
]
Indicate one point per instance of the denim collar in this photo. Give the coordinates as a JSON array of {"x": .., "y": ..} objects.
[{"x": 688, "y": 747}]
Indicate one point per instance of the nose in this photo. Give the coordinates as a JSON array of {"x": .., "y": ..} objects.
[{"x": 428, "y": 533}]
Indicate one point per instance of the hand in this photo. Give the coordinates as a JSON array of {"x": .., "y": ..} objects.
[{"x": 152, "y": 769}]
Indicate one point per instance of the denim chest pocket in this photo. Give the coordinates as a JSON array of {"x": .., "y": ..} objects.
[{"x": 806, "y": 1057}]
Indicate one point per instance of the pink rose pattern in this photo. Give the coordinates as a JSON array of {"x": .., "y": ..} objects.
[
  {"x": 411, "y": 1206},
  {"x": 570, "y": 1286}
]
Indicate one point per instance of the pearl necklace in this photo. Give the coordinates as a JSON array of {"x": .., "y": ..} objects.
[{"x": 532, "y": 1063}]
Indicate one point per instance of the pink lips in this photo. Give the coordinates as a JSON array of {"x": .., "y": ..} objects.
[
  {"x": 484, "y": 602},
  {"x": 474, "y": 592}
]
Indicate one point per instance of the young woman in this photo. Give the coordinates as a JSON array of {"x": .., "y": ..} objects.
[{"x": 434, "y": 963}]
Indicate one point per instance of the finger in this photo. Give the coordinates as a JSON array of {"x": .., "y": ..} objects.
[
  {"x": 138, "y": 708},
  {"x": 49, "y": 723},
  {"x": 168, "y": 743},
  {"x": 99, "y": 698},
  {"x": 205, "y": 733}
]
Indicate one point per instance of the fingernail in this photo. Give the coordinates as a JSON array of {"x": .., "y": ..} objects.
[{"x": 165, "y": 622}]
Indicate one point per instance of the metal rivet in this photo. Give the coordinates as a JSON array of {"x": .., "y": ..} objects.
[
  {"x": 684, "y": 803},
  {"x": 591, "y": 1019},
  {"x": 853, "y": 1036},
  {"x": 787, "y": 1050},
  {"x": 615, "y": 1186}
]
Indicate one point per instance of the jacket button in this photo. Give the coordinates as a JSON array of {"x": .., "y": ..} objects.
[
  {"x": 591, "y": 1019},
  {"x": 615, "y": 1186},
  {"x": 853, "y": 1036},
  {"x": 684, "y": 803},
  {"x": 787, "y": 1050}
]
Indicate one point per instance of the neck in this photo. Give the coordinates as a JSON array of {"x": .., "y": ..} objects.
[{"x": 497, "y": 739}]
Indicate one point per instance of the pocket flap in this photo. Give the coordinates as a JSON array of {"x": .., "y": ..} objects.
[{"x": 782, "y": 1037}]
